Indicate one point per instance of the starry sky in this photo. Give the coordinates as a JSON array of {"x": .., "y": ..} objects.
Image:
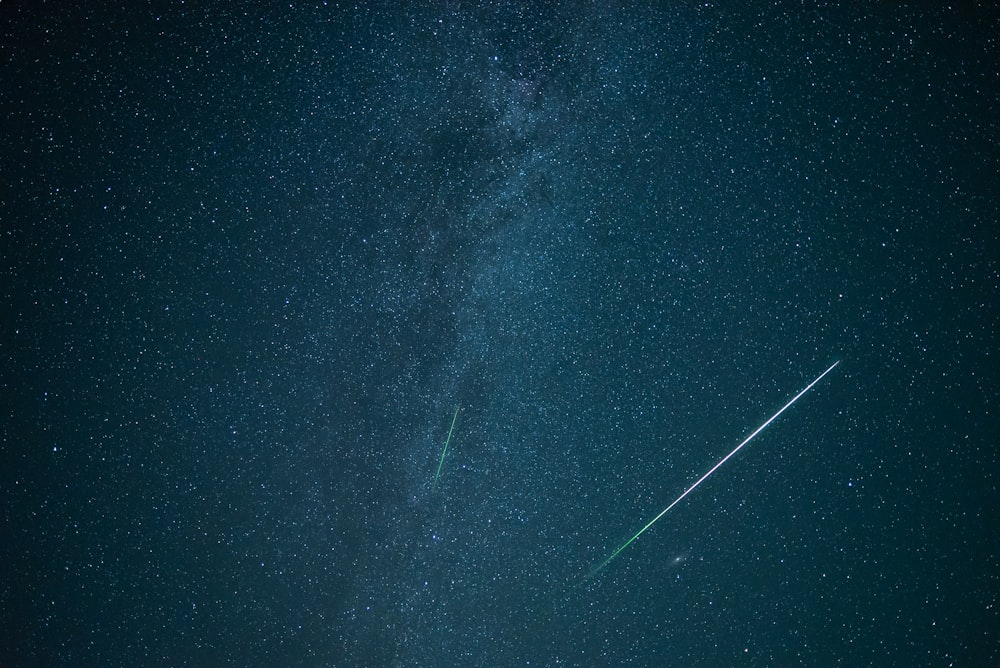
[{"x": 259, "y": 262}]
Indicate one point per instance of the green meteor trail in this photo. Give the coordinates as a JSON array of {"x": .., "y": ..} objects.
[
  {"x": 702, "y": 479},
  {"x": 446, "y": 442}
]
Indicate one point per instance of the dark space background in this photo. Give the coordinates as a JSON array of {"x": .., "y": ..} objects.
[{"x": 254, "y": 255}]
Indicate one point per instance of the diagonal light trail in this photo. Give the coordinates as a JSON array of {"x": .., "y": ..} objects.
[{"x": 710, "y": 472}]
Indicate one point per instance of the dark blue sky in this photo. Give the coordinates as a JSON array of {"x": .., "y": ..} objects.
[{"x": 254, "y": 258}]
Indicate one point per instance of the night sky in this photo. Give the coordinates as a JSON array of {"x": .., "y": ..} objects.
[{"x": 254, "y": 256}]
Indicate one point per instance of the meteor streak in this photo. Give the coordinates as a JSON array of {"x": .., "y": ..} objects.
[
  {"x": 446, "y": 442},
  {"x": 710, "y": 472}
]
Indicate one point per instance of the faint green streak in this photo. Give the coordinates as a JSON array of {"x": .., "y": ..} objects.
[{"x": 446, "y": 442}]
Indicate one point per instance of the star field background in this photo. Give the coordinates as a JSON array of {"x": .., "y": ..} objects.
[{"x": 254, "y": 256}]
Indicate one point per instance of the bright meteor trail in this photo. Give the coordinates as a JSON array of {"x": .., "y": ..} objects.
[
  {"x": 446, "y": 442},
  {"x": 710, "y": 472}
]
